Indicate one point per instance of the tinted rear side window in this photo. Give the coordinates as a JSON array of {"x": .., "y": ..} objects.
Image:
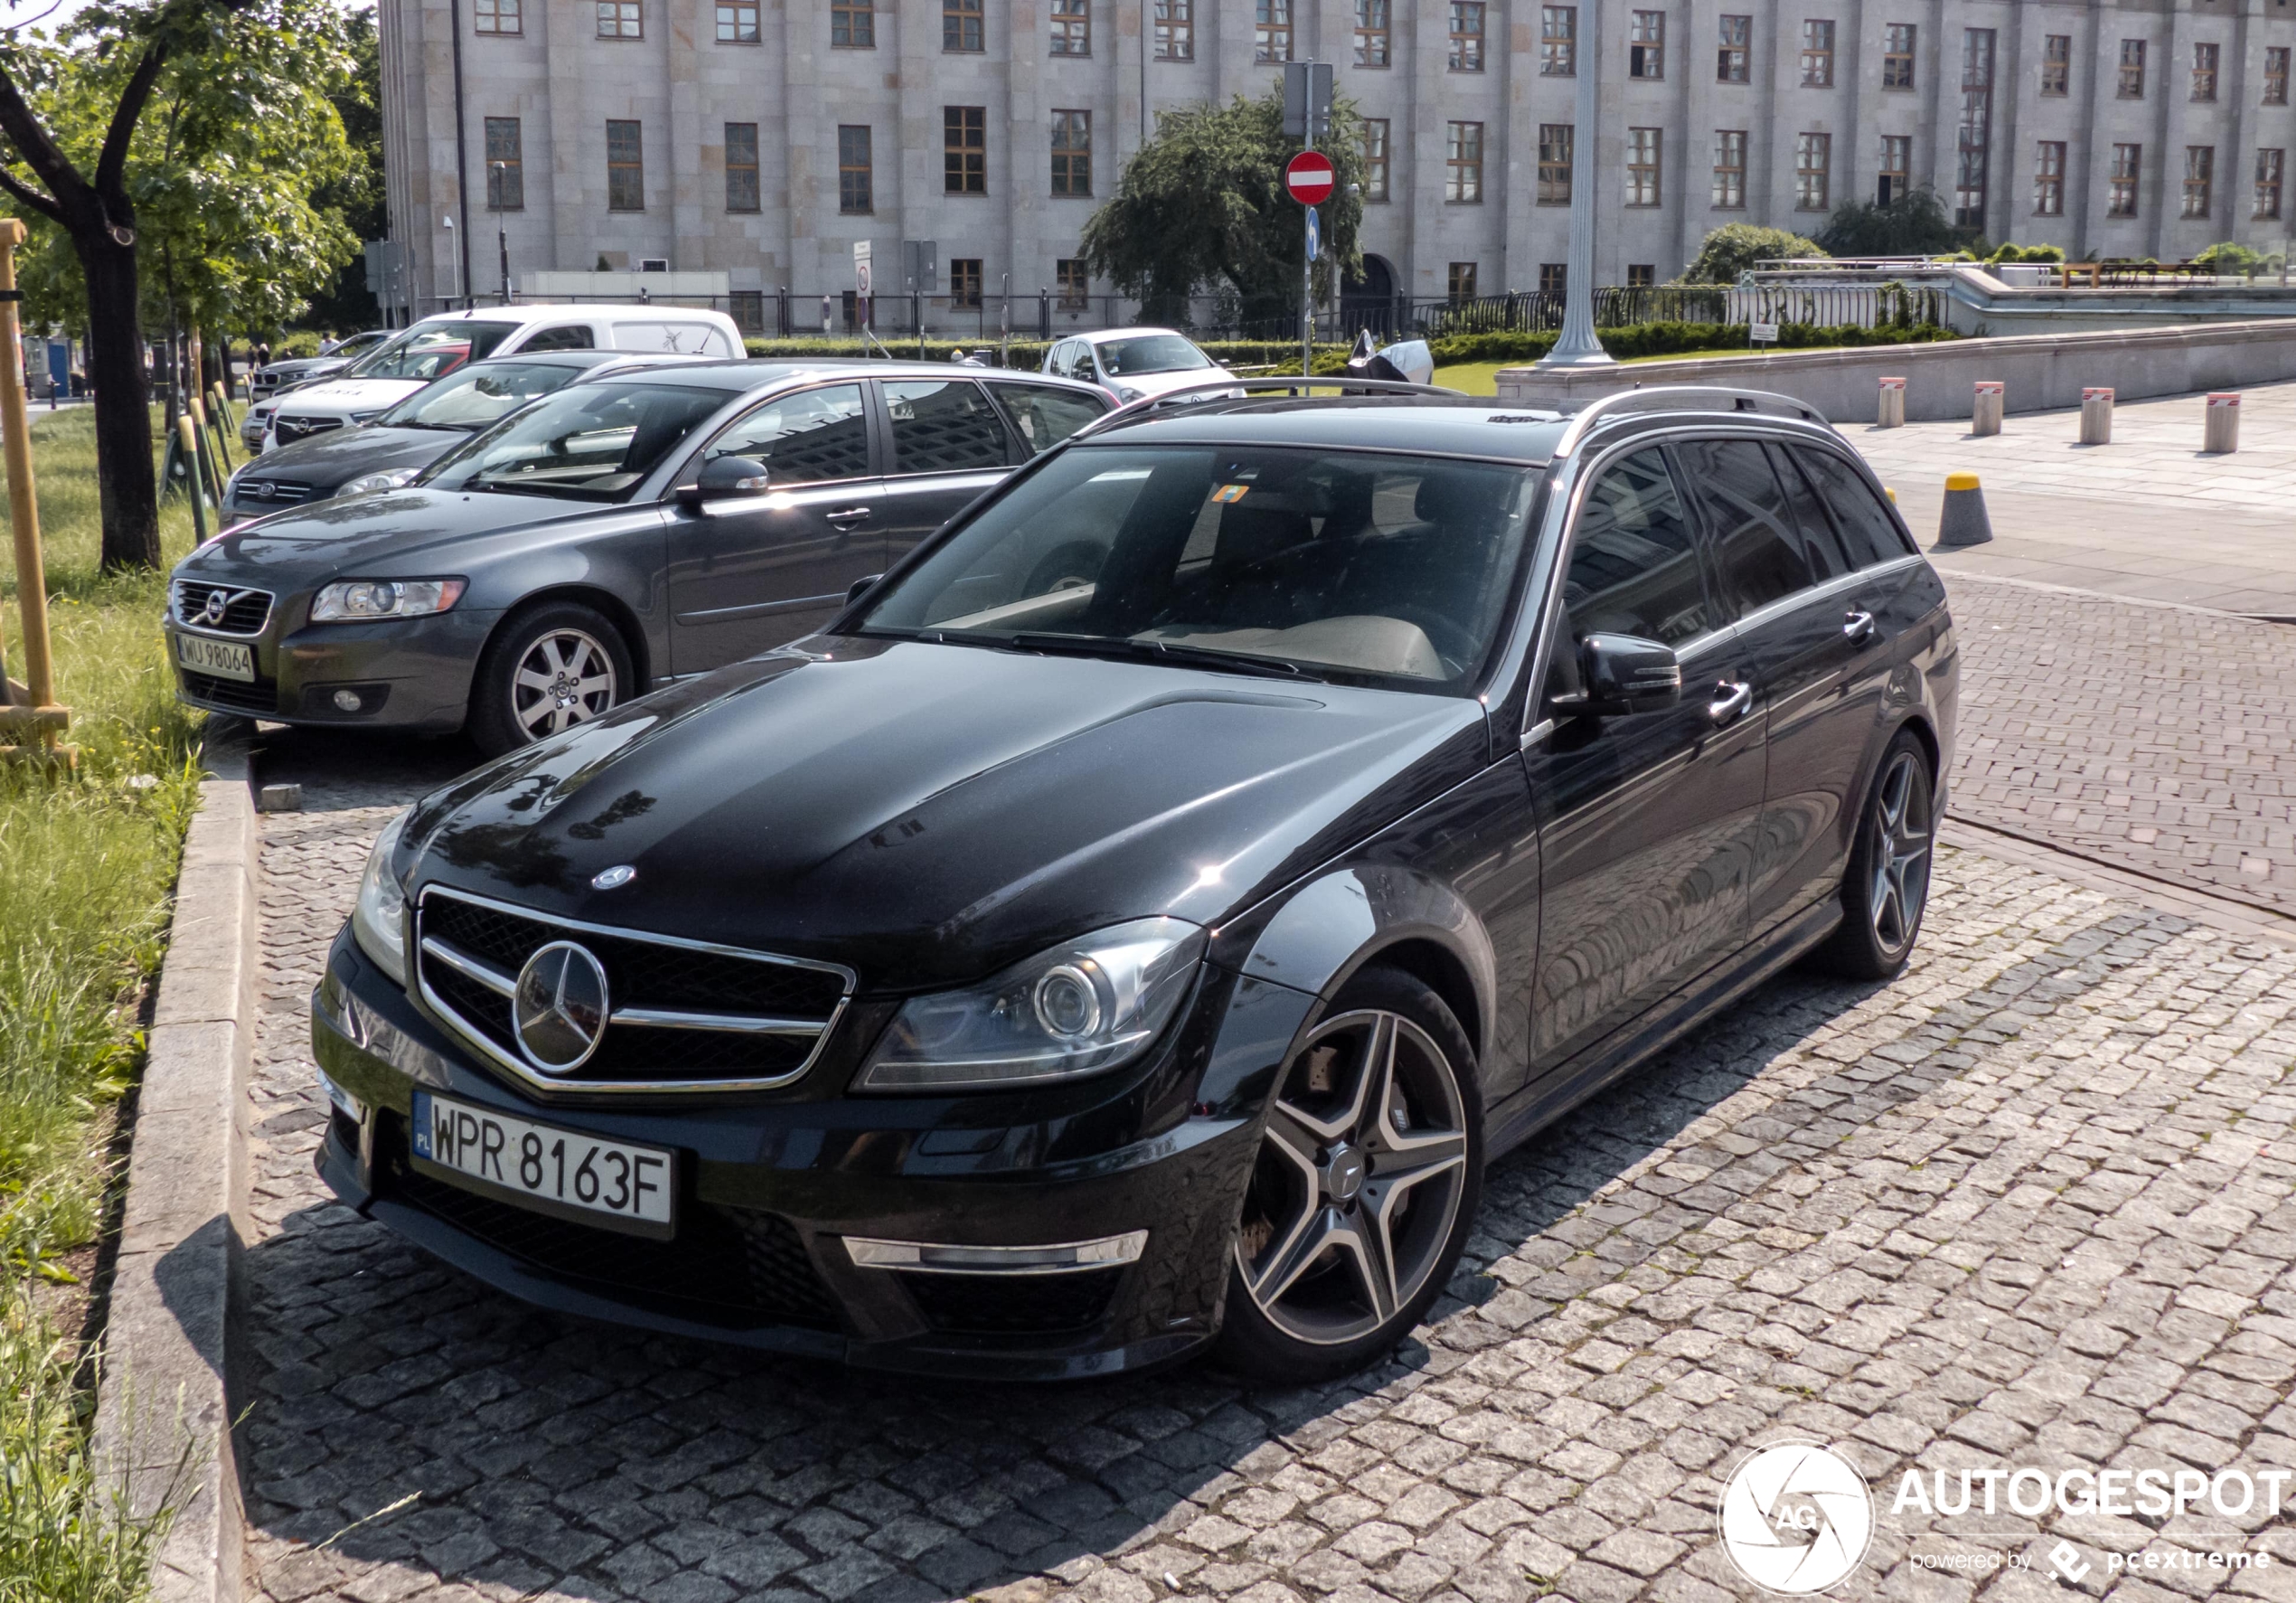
[
  {"x": 944, "y": 428},
  {"x": 1757, "y": 545},
  {"x": 1820, "y": 544},
  {"x": 1866, "y": 528},
  {"x": 1044, "y": 414},
  {"x": 1633, "y": 569}
]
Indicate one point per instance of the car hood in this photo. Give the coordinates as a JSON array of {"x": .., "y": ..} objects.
[
  {"x": 274, "y": 551},
  {"x": 1160, "y": 383},
  {"x": 348, "y": 394},
  {"x": 340, "y": 455},
  {"x": 926, "y": 814}
]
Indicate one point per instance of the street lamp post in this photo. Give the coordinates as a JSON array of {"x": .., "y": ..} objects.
[{"x": 1576, "y": 345}]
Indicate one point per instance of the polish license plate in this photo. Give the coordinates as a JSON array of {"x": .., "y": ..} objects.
[
  {"x": 612, "y": 1184},
  {"x": 221, "y": 658}
]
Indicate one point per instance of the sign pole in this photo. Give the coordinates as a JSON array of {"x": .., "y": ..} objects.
[
  {"x": 1307, "y": 292},
  {"x": 24, "y": 514}
]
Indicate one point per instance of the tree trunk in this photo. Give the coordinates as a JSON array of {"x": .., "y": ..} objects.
[{"x": 130, "y": 486}]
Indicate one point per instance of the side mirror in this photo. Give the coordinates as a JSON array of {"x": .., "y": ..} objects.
[
  {"x": 1625, "y": 673},
  {"x": 723, "y": 479},
  {"x": 860, "y": 587}
]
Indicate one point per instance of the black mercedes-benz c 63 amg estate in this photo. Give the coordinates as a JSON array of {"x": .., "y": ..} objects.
[{"x": 1055, "y": 967}]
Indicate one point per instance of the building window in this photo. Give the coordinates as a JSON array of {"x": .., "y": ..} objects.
[
  {"x": 2275, "y": 75},
  {"x": 1272, "y": 30},
  {"x": 1812, "y": 171},
  {"x": 1375, "y": 158},
  {"x": 1372, "y": 32},
  {"x": 2048, "y": 178},
  {"x": 1071, "y": 27},
  {"x": 856, "y": 170},
  {"x": 853, "y": 24},
  {"x": 1559, "y": 41},
  {"x": 1737, "y": 48},
  {"x": 505, "y": 165},
  {"x": 2200, "y": 172},
  {"x": 1553, "y": 276},
  {"x": 2057, "y": 64},
  {"x": 737, "y": 22},
  {"x": 1640, "y": 275},
  {"x": 1817, "y": 53},
  {"x": 1643, "y": 162},
  {"x": 741, "y": 166},
  {"x": 965, "y": 149},
  {"x": 1466, "y": 35},
  {"x": 965, "y": 283},
  {"x": 1463, "y": 280},
  {"x": 1554, "y": 163},
  {"x": 2121, "y": 198},
  {"x": 1646, "y": 44},
  {"x": 2132, "y": 69},
  {"x": 1463, "y": 162},
  {"x": 1897, "y": 56},
  {"x": 1074, "y": 283},
  {"x": 1072, "y": 153},
  {"x": 2204, "y": 71},
  {"x": 1729, "y": 168},
  {"x": 624, "y": 168},
  {"x": 2269, "y": 166},
  {"x": 621, "y": 19},
  {"x": 961, "y": 26},
  {"x": 1175, "y": 30},
  {"x": 1896, "y": 178},
  {"x": 1973, "y": 140},
  {"x": 498, "y": 16}
]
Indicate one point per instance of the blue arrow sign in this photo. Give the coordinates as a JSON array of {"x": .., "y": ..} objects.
[{"x": 1314, "y": 234}]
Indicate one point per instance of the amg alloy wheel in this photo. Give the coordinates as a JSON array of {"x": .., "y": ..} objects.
[
  {"x": 1367, "y": 1176},
  {"x": 1886, "y": 887},
  {"x": 558, "y": 666}
]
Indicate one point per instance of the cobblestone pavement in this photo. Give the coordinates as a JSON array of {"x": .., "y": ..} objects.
[{"x": 2028, "y": 1204}]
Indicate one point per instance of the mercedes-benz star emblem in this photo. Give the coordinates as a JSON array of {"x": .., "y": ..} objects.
[
  {"x": 559, "y": 1008},
  {"x": 613, "y": 879}
]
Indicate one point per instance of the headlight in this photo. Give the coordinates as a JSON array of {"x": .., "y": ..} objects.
[
  {"x": 379, "y": 917},
  {"x": 366, "y": 417},
  {"x": 1127, "y": 392},
  {"x": 356, "y": 600},
  {"x": 1082, "y": 1007},
  {"x": 367, "y": 482}
]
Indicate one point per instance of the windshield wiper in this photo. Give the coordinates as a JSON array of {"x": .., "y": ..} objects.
[{"x": 1165, "y": 650}]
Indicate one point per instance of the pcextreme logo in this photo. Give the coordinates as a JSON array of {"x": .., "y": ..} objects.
[{"x": 1797, "y": 1518}]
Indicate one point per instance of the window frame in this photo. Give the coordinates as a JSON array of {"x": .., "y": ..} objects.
[
  {"x": 756, "y": 15},
  {"x": 1468, "y": 46},
  {"x": 2056, "y": 65},
  {"x": 1554, "y": 176},
  {"x": 1558, "y": 41},
  {"x": 2048, "y": 178},
  {"x": 1733, "y": 47},
  {"x": 618, "y": 18},
  {"x": 1462, "y": 163},
  {"x": 1175, "y": 25},
  {"x": 1071, "y": 23},
  {"x": 1823, "y": 147},
  {"x": 637, "y": 128},
  {"x": 967, "y": 288},
  {"x": 866, "y": 167},
  {"x": 1377, "y": 163},
  {"x": 2125, "y": 176},
  {"x": 1066, "y": 158},
  {"x": 1456, "y": 274},
  {"x": 2275, "y": 75},
  {"x": 2198, "y": 192},
  {"x": 1818, "y": 37},
  {"x": 1645, "y": 167},
  {"x": 859, "y": 20},
  {"x": 1723, "y": 170},
  {"x": 485, "y": 11},
  {"x": 964, "y": 164},
  {"x": 2207, "y": 55},
  {"x": 1069, "y": 297},
  {"x": 1897, "y": 55},
  {"x": 1374, "y": 35},
  {"x": 513, "y": 182},
  {"x": 1895, "y": 164},
  {"x": 2271, "y": 173},
  {"x": 1646, "y": 46},
  {"x": 1273, "y": 22},
  {"x": 751, "y": 166},
  {"x": 2131, "y": 71},
  {"x": 964, "y": 27}
]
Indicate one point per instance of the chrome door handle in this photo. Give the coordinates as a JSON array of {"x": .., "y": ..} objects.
[
  {"x": 850, "y": 516},
  {"x": 1729, "y": 700},
  {"x": 1858, "y": 627}
]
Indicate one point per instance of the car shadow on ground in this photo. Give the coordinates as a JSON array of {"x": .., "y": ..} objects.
[{"x": 514, "y": 1449}]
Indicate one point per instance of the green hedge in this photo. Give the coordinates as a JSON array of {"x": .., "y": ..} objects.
[{"x": 1029, "y": 353}]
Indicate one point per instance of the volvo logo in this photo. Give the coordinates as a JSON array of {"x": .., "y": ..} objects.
[
  {"x": 613, "y": 879},
  {"x": 558, "y": 1009},
  {"x": 212, "y": 611}
]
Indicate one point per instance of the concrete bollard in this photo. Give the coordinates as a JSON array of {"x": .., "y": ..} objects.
[
  {"x": 2096, "y": 416},
  {"x": 1964, "y": 521},
  {"x": 1890, "y": 413},
  {"x": 2220, "y": 436},
  {"x": 1985, "y": 411}
]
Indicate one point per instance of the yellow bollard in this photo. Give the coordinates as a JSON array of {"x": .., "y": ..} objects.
[
  {"x": 1963, "y": 521},
  {"x": 43, "y": 717}
]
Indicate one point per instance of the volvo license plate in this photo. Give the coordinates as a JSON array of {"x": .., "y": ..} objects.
[
  {"x": 221, "y": 658},
  {"x": 612, "y": 1184}
]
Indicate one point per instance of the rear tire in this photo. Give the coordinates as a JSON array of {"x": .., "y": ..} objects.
[
  {"x": 547, "y": 669},
  {"x": 1886, "y": 888}
]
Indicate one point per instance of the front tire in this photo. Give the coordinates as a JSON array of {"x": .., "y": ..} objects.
[
  {"x": 1369, "y": 1175},
  {"x": 546, "y": 669},
  {"x": 1886, "y": 888}
]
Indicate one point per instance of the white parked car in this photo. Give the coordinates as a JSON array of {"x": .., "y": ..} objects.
[
  {"x": 1132, "y": 363},
  {"x": 438, "y": 345}
]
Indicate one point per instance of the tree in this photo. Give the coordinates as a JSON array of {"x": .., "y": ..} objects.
[
  {"x": 1730, "y": 251},
  {"x": 1914, "y": 224},
  {"x": 173, "y": 119},
  {"x": 1202, "y": 207}
]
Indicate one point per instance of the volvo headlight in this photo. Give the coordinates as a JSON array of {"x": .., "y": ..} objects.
[
  {"x": 1082, "y": 1007},
  {"x": 367, "y": 483},
  {"x": 379, "y": 917},
  {"x": 357, "y": 600}
]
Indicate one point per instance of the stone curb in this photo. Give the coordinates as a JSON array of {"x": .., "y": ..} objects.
[{"x": 164, "y": 1418}]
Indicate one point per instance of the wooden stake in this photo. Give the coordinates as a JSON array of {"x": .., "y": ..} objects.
[{"x": 43, "y": 715}]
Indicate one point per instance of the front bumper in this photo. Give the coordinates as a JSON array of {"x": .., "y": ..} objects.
[
  {"x": 413, "y": 675},
  {"x": 771, "y": 1187}
]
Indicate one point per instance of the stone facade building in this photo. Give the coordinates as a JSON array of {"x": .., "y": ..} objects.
[{"x": 760, "y": 139}]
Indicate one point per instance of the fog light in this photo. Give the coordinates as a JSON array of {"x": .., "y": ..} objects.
[
  {"x": 346, "y": 701},
  {"x": 1062, "y": 1257}
]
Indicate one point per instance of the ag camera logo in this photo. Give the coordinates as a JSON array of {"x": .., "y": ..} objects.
[{"x": 1797, "y": 1518}]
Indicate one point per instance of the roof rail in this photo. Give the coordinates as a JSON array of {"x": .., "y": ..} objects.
[
  {"x": 1686, "y": 397},
  {"x": 1134, "y": 412}
]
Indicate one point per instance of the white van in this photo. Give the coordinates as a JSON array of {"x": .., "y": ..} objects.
[{"x": 439, "y": 344}]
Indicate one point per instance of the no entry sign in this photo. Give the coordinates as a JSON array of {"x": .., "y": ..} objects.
[{"x": 1308, "y": 177}]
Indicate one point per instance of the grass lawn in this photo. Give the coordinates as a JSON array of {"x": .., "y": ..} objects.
[
  {"x": 1481, "y": 378},
  {"x": 88, "y": 866}
]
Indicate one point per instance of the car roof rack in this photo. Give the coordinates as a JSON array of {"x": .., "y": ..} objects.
[
  {"x": 1134, "y": 412},
  {"x": 1685, "y": 398}
]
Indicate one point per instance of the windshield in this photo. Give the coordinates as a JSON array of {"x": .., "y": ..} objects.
[
  {"x": 355, "y": 345},
  {"x": 477, "y": 396},
  {"x": 1151, "y": 352},
  {"x": 591, "y": 442},
  {"x": 430, "y": 350},
  {"x": 1397, "y": 569}
]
